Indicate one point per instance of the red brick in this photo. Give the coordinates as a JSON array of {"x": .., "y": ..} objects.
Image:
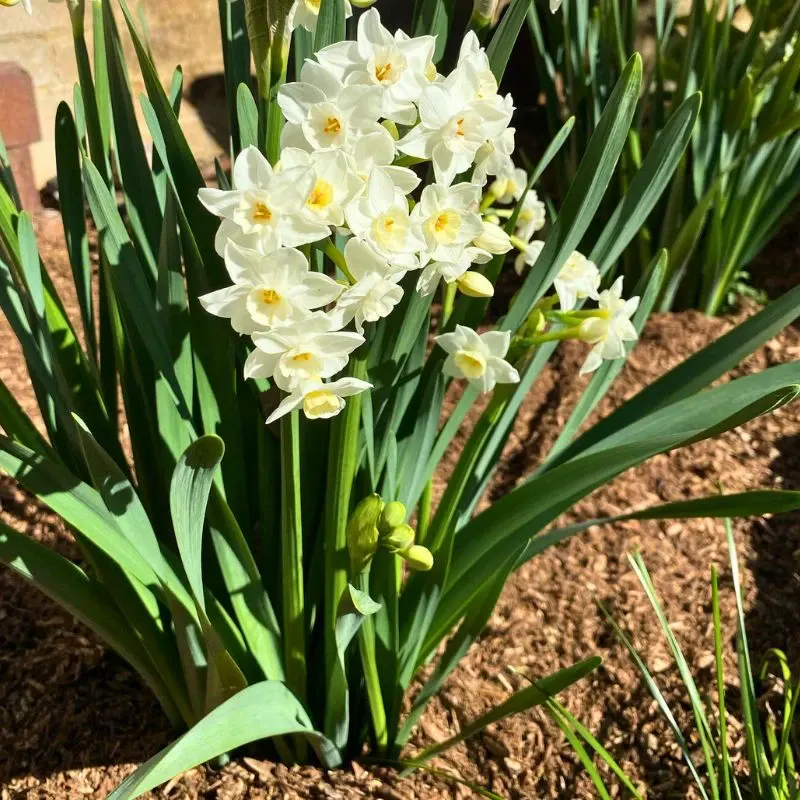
[{"x": 19, "y": 122}]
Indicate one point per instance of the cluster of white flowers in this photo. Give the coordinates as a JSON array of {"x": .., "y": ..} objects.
[
  {"x": 361, "y": 114},
  {"x": 338, "y": 174}
]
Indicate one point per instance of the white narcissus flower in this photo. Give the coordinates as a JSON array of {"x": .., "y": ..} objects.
[
  {"x": 451, "y": 270},
  {"x": 479, "y": 358},
  {"x": 300, "y": 351},
  {"x": 376, "y": 290},
  {"x": 509, "y": 185},
  {"x": 323, "y": 114},
  {"x": 268, "y": 289},
  {"x": 578, "y": 279},
  {"x": 494, "y": 157},
  {"x": 395, "y": 63},
  {"x": 493, "y": 239},
  {"x": 380, "y": 216},
  {"x": 532, "y": 216},
  {"x": 454, "y": 123},
  {"x": 447, "y": 218},
  {"x": 264, "y": 209},
  {"x": 305, "y": 13},
  {"x": 609, "y": 332},
  {"x": 528, "y": 256},
  {"x": 334, "y": 186},
  {"x": 376, "y": 150},
  {"x": 319, "y": 400},
  {"x": 472, "y": 54}
]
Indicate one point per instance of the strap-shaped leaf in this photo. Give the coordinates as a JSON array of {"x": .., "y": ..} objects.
[
  {"x": 247, "y": 115},
  {"x": 88, "y": 601},
  {"x": 260, "y": 711},
  {"x": 505, "y": 37},
  {"x": 330, "y": 23}
]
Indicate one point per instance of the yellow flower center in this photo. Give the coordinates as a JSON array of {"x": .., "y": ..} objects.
[
  {"x": 445, "y": 226},
  {"x": 460, "y": 127},
  {"x": 269, "y": 297},
  {"x": 471, "y": 364},
  {"x": 332, "y": 126},
  {"x": 303, "y": 357},
  {"x": 321, "y": 196},
  {"x": 313, "y": 6},
  {"x": 321, "y": 403},
  {"x": 383, "y": 71},
  {"x": 261, "y": 213},
  {"x": 430, "y": 71}
]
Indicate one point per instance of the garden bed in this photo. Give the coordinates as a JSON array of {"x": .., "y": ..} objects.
[{"x": 74, "y": 719}]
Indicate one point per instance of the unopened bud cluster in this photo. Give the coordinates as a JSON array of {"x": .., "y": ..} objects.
[{"x": 375, "y": 524}]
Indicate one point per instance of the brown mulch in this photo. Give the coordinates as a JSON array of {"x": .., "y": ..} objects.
[{"x": 74, "y": 719}]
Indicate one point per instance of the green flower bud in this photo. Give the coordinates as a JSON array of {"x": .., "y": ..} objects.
[
  {"x": 394, "y": 514},
  {"x": 474, "y": 284},
  {"x": 419, "y": 558},
  {"x": 362, "y": 532},
  {"x": 399, "y": 539}
]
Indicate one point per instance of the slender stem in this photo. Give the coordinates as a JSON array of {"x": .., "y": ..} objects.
[
  {"x": 342, "y": 458},
  {"x": 488, "y": 200},
  {"x": 556, "y": 336},
  {"x": 366, "y": 646},
  {"x": 292, "y": 557},
  {"x": 448, "y": 301}
]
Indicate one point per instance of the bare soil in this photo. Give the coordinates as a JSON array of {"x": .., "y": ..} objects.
[{"x": 75, "y": 720}]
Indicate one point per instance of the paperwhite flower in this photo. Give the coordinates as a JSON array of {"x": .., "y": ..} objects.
[
  {"x": 475, "y": 56},
  {"x": 268, "y": 289},
  {"x": 376, "y": 150},
  {"x": 509, "y": 186},
  {"x": 450, "y": 270},
  {"x": 301, "y": 351},
  {"x": 396, "y": 64},
  {"x": 532, "y": 216},
  {"x": 493, "y": 239},
  {"x": 494, "y": 157},
  {"x": 578, "y": 279},
  {"x": 376, "y": 290},
  {"x": 609, "y": 333},
  {"x": 454, "y": 123},
  {"x": 264, "y": 209},
  {"x": 335, "y": 184},
  {"x": 555, "y": 5},
  {"x": 319, "y": 400},
  {"x": 322, "y": 113},
  {"x": 380, "y": 216},
  {"x": 480, "y": 359},
  {"x": 528, "y": 256},
  {"x": 26, "y": 4},
  {"x": 447, "y": 218},
  {"x": 305, "y": 13}
]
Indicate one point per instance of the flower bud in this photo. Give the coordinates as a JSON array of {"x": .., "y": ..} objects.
[
  {"x": 500, "y": 187},
  {"x": 362, "y": 532},
  {"x": 484, "y": 12},
  {"x": 392, "y": 128},
  {"x": 494, "y": 239},
  {"x": 394, "y": 514},
  {"x": 400, "y": 538},
  {"x": 474, "y": 284},
  {"x": 418, "y": 558}
]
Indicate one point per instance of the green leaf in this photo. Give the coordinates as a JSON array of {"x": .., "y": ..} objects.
[
  {"x": 88, "y": 601},
  {"x": 536, "y": 694},
  {"x": 330, "y": 24},
  {"x": 247, "y": 114},
  {"x": 434, "y": 18},
  {"x": 71, "y": 203},
  {"x": 18, "y": 425},
  {"x": 188, "y": 500},
  {"x": 505, "y": 37},
  {"x": 260, "y": 711}
]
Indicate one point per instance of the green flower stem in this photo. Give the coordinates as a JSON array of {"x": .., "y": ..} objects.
[
  {"x": 342, "y": 461},
  {"x": 488, "y": 201},
  {"x": 366, "y": 646},
  {"x": 441, "y": 527},
  {"x": 292, "y": 557},
  {"x": 556, "y": 336},
  {"x": 448, "y": 301},
  {"x": 334, "y": 254},
  {"x": 518, "y": 243}
]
